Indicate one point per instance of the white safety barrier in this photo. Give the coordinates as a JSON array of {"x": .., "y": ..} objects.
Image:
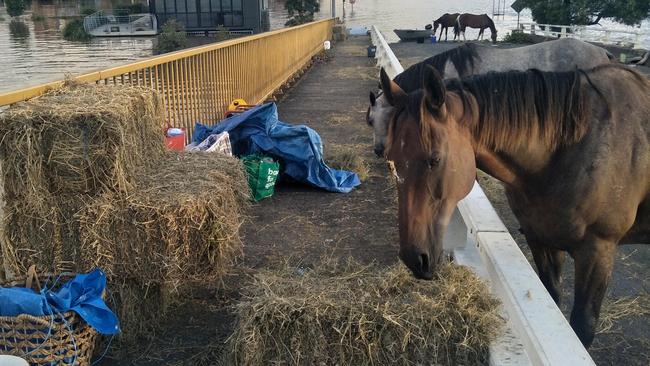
[
  {"x": 537, "y": 333},
  {"x": 585, "y": 33},
  {"x": 384, "y": 55}
]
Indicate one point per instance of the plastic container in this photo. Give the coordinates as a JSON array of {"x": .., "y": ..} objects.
[
  {"x": 175, "y": 142},
  {"x": 372, "y": 50},
  {"x": 433, "y": 39},
  {"x": 327, "y": 45}
]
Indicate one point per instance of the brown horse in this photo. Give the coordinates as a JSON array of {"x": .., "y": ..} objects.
[
  {"x": 573, "y": 152},
  {"x": 444, "y": 22},
  {"x": 475, "y": 21}
]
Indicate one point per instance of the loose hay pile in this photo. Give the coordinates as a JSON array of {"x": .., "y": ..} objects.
[
  {"x": 178, "y": 226},
  {"x": 363, "y": 315},
  {"x": 348, "y": 157}
]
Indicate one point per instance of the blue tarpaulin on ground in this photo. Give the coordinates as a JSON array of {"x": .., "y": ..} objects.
[
  {"x": 82, "y": 294},
  {"x": 298, "y": 148}
]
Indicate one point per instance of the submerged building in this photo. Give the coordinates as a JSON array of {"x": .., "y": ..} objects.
[{"x": 241, "y": 16}]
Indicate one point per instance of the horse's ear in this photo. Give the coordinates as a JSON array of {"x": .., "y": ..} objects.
[
  {"x": 373, "y": 99},
  {"x": 434, "y": 88},
  {"x": 394, "y": 94}
]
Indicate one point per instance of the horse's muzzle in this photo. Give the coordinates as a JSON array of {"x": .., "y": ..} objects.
[{"x": 419, "y": 262}]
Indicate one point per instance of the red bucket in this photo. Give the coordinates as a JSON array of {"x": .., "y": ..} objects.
[{"x": 177, "y": 142}]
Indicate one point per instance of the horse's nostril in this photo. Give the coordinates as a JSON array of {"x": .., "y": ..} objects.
[{"x": 424, "y": 263}]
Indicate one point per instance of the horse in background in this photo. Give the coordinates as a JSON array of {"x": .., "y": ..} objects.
[
  {"x": 480, "y": 22},
  {"x": 572, "y": 150},
  {"x": 445, "y": 22},
  {"x": 563, "y": 54}
]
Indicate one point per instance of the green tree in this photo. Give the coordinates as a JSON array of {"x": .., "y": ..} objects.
[
  {"x": 588, "y": 12},
  {"x": 15, "y": 7},
  {"x": 74, "y": 31},
  {"x": 172, "y": 38},
  {"x": 301, "y": 11}
]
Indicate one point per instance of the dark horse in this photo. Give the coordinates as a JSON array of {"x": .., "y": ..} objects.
[
  {"x": 444, "y": 22},
  {"x": 573, "y": 152},
  {"x": 475, "y": 21}
]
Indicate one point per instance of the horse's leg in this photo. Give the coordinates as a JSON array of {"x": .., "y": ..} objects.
[
  {"x": 549, "y": 263},
  {"x": 480, "y": 32},
  {"x": 446, "y": 33},
  {"x": 594, "y": 261}
]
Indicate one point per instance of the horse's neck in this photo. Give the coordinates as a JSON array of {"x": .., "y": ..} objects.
[{"x": 512, "y": 164}]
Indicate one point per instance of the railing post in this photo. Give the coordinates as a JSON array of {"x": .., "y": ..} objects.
[
  {"x": 564, "y": 32},
  {"x": 532, "y": 28}
]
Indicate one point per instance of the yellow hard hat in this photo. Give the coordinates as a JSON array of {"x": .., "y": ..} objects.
[{"x": 236, "y": 103}]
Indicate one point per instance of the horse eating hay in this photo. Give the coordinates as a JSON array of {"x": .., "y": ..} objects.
[
  {"x": 480, "y": 22},
  {"x": 445, "y": 22},
  {"x": 573, "y": 152}
]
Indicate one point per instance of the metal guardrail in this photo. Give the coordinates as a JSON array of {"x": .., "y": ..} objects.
[
  {"x": 585, "y": 33},
  {"x": 197, "y": 84},
  {"x": 537, "y": 333}
]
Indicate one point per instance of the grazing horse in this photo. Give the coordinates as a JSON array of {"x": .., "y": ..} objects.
[
  {"x": 475, "y": 21},
  {"x": 444, "y": 22},
  {"x": 470, "y": 59},
  {"x": 573, "y": 152}
]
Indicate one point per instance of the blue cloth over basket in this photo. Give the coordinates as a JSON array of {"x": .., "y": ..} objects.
[
  {"x": 298, "y": 148},
  {"x": 82, "y": 294}
]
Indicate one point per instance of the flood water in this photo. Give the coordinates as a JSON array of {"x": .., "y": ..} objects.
[{"x": 33, "y": 52}]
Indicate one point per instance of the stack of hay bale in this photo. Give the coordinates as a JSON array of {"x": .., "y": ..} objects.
[{"x": 87, "y": 183}]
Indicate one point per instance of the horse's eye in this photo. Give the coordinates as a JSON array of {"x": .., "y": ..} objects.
[{"x": 434, "y": 161}]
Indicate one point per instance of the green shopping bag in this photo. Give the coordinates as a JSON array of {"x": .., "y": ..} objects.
[{"x": 262, "y": 174}]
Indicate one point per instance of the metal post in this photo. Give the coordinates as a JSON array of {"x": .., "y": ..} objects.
[{"x": 333, "y": 8}]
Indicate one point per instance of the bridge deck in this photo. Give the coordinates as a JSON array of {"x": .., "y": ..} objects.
[
  {"x": 331, "y": 98},
  {"x": 299, "y": 222}
]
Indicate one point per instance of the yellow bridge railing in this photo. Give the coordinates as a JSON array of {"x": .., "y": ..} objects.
[{"x": 199, "y": 83}]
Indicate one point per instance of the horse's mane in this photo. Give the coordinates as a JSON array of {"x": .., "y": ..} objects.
[
  {"x": 463, "y": 59},
  {"x": 517, "y": 106}
]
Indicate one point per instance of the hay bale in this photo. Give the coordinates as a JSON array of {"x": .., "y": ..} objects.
[
  {"x": 360, "y": 315},
  {"x": 79, "y": 139},
  {"x": 179, "y": 225},
  {"x": 349, "y": 157},
  {"x": 46, "y": 236}
]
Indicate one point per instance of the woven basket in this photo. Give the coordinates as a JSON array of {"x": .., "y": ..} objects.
[{"x": 61, "y": 339}]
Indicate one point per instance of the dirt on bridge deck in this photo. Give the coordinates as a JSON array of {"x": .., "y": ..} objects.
[
  {"x": 624, "y": 335},
  {"x": 298, "y": 223}
]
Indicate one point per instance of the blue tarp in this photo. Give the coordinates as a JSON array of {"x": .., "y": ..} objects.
[
  {"x": 82, "y": 294},
  {"x": 298, "y": 148}
]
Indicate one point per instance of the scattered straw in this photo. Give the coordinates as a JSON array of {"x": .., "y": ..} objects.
[
  {"x": 349, "y": 157},
  {"x": 621, "y": 308},
  {"x": 352, "y": 314},
  {"x": 339, "y": 119}
]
